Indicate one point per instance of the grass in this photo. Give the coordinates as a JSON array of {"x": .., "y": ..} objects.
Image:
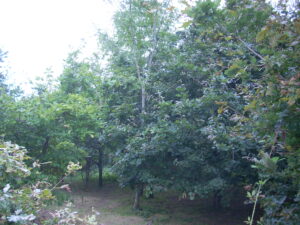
[
  {"x": 78, "y": 178},
  {"x": 61, "y": 197}
]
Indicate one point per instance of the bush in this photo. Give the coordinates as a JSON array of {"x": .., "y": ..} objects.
[{"x": 20, "y": 202}]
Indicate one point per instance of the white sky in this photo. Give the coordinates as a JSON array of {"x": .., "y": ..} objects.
[{"x": 38, "y": 34}]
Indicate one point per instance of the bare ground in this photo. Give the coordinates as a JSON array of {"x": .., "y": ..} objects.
[
  {"x": 114, "y": 206},
  {"x": 104, "y": 201}
]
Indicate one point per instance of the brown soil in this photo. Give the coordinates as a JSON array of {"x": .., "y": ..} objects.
[
  {"x": 114, "y": 206},
  {"x": 104, "y": 200}
]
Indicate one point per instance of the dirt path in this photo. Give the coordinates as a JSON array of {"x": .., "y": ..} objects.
[
  {"x": 114, "y": 206},
  {"x": 105, "y": 201}
]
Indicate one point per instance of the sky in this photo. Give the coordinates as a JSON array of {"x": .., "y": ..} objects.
[{"x": 39, "y": 34}]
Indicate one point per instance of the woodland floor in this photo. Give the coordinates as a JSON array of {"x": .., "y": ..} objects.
[{"x": 114, "y": 206}]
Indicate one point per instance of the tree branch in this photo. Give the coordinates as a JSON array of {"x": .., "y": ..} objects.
[{"x": 250, "y": 49}]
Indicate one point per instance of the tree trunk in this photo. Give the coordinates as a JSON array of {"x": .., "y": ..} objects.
[
  {"x": 45, "y": 145},
  {"x": 100, "y": 168},
  {"x": 143, "y": 97},
  {"x": 217, "y": 200},
  {"x": 141, "y": 190},
  {"x": 87, "y": 171},
  {"x": 137, "y": 196}
]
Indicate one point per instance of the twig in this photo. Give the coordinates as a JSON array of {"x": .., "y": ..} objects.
[
  {"x": 260, "y": 184},
  {"x": 58, "y": 182}
]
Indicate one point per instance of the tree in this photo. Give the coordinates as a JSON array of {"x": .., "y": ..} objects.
[
  {"x": 59, "y": 120},
  {"x": 3, "y": 86},
  {"x": 274, "y": 115},
  {"x": 141, "y": 30},
  {"x": 8, "y": 95},
  {"x": 81, "y": 78},
  {"x": 220, "y": 71}
]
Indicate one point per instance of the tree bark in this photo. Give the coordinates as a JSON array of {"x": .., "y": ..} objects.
[
  {"x": 137, "y": 197},
  {"x": 100, "y": 168},
  {"x": 87, "y": 171}
]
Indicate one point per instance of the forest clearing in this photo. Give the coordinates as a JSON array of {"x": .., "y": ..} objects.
[
  {"x": 113, "y": 205},
  {"x": 187, "y": 112}
]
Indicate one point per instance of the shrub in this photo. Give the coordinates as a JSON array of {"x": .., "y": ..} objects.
[{"x": 21, "y": 202}]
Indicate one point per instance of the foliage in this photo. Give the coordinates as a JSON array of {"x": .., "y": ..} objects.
[
  {"x": 274, "y": 112},
  {"x": 256, "y": 63},
  {"x": 140, "y": 41},
  {"x": 231, "y": 82},
  {"x": 202, "y": 108},
  {"x": 67, "y": 216},
  {"x": 21, "y": 203},
  {"x": 56, "y": 121}
]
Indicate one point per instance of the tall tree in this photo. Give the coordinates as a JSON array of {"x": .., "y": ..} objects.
[{"x": 141, "y": 30}]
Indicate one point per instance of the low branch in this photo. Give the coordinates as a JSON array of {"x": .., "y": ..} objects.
[{"x": 251, "y": 50}]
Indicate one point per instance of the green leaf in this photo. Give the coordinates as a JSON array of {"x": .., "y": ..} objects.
[{"x": 186, "y": 24}]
